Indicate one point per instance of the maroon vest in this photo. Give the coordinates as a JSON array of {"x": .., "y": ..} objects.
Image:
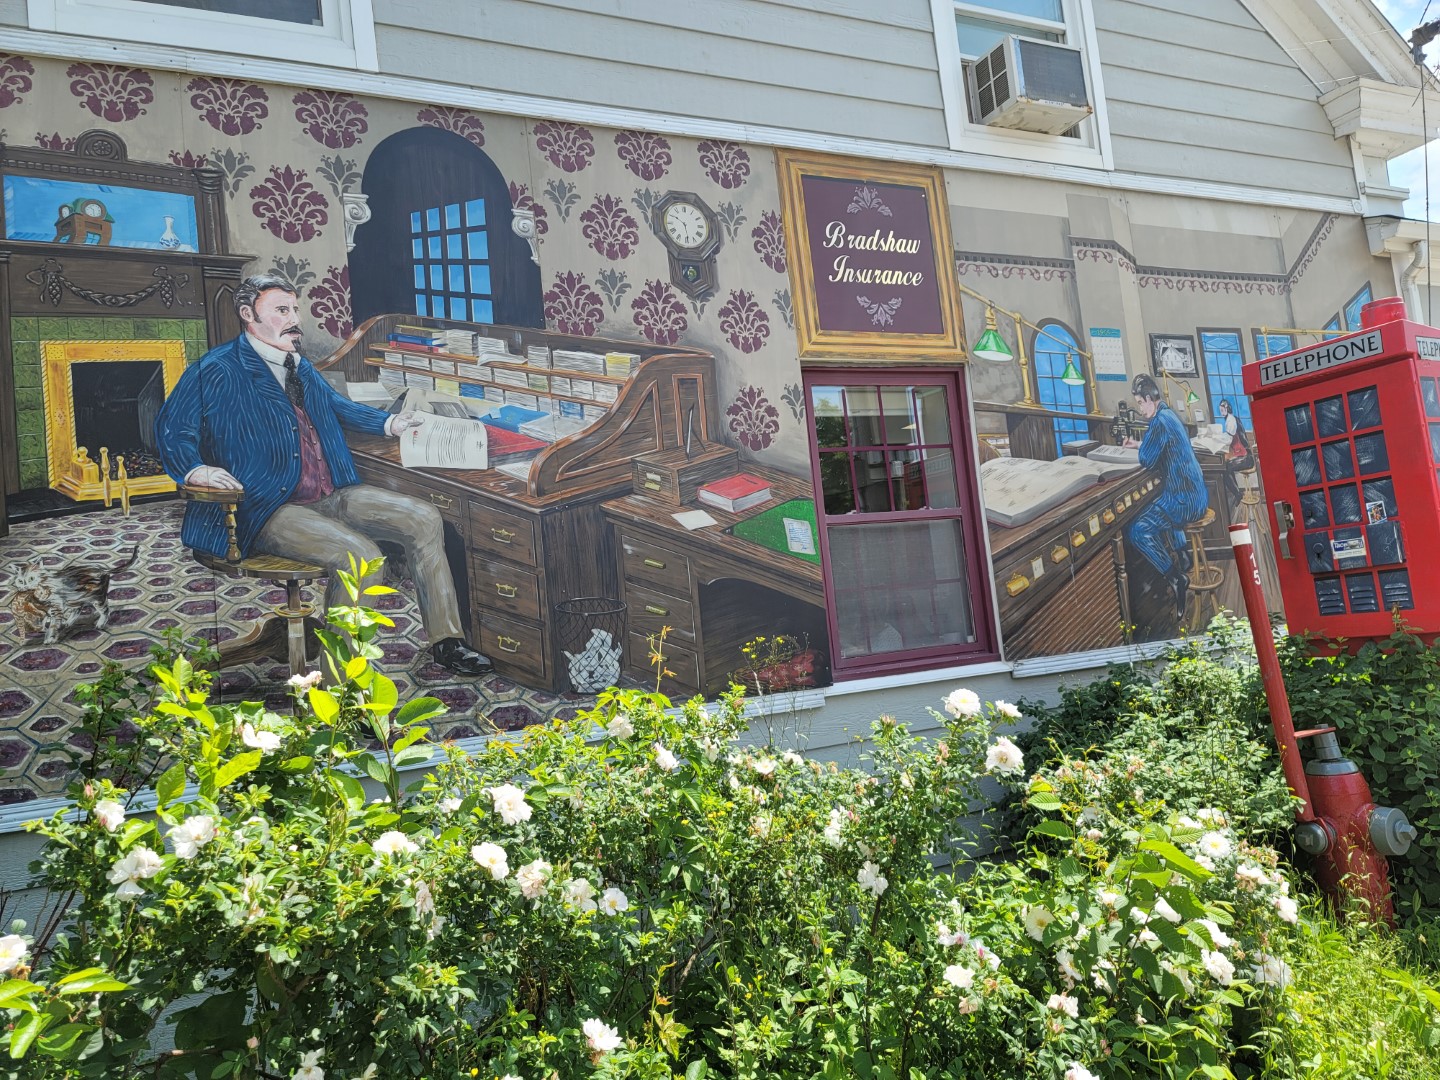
[{"x": 315, "y": 481}]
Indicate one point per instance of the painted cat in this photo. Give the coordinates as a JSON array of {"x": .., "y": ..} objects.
[{"x": 55, "y": 603}]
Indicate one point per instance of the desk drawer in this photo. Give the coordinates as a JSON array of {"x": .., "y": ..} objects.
[
  {"x": 505, "y": 587},
  {"x": 682, "y": 662},
  {"x": 647, "y": 611},
  {"x": 658, "y": 567},
  {"x": 499, "y": 532},
  {"x": 516, "y": 648},
  {"x": 452, "y": 506}
]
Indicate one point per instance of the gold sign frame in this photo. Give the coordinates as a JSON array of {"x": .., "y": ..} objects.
[
  {"x": 68, "y": 475},
  {"x": 865, "y": 346}
]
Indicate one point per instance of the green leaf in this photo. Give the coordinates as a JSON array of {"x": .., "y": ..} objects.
[
  {"x": 383, "y": 695},
  {"x": 414, "y": 735},
  {"x": 347, "y": 787},
  {"x": 217, "y": 1022},
  {"x": 235, "y": 768},
  {"x": 62, "y": 1038},
  {"x": 26, "y": 1032},
  {"x": 1045, "y": 802},
  {"x": 170, "y": 784},
  {"x": 356, "y": 665},
  {"x": 374, "y": 768},
  {"x": 1057, "y": 829},
  {"x": 325, "y": 706},
  {"x": 13, "y": 993},
  {"x": 297, "y": 764},
  {"x": 1176, "y": 858},
  {"x": 424, "y": 708},
  {"x": 89, "y": 981},
  {"x": 697, "y": 1070},
  {"x": 412, "y": 755}
]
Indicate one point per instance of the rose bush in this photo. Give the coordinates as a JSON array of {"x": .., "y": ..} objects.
[{"x": 632, "y": 893}]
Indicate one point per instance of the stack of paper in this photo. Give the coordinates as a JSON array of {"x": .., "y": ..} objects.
[
  {"x": 509, "y": 377},
  {"x": 621, "y": 364},
  {"x": 460, "y": 342},
  {"x": 538, "y": 355},
  {"x": 578, "y": 360}
]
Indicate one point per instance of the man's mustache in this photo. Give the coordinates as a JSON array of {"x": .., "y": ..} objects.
[{"x": 290, "y": 330}]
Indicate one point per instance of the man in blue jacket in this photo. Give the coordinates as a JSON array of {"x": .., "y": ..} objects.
[
  {"x": 1158, "y": 533},
  {"x": 254, "y": 414}
]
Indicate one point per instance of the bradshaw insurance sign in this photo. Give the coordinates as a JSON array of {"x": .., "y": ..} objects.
[{"x": 873, "y": 269}]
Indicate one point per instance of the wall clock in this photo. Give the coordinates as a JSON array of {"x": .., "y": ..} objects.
[{"x": 691, "y": 234}]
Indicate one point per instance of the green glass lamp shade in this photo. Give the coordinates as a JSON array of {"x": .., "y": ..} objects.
[
  {"x": 991, "y": 346},
  {"x": 1071, "y": 375},
  {"x": 1191, "y": 398}
]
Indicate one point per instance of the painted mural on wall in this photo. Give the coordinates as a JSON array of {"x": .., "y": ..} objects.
[{"x": 550, "y": 373}]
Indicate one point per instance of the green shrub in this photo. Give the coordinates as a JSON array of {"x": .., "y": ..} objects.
[{"x": 1385, "y": 700}]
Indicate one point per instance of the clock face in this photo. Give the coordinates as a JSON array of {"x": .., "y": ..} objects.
[
  {"x": 94, "y": 209},
  {"x": 686, "y": 225},
  {"x": 65, "y": 211}
]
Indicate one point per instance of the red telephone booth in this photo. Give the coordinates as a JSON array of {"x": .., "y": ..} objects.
[{"x": 1347, "y": 434}]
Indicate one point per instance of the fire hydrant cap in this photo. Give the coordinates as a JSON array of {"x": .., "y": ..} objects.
[{"x": 1390, "y": 831}]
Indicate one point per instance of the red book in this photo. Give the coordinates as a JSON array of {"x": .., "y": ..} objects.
[
  {"x": 510, "y": 445},
  {"x": 735, "y": 493},
  {"x": 410, "y": 346}
]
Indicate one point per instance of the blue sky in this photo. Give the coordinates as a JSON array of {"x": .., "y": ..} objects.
[{"x": 1409, "y": 171}]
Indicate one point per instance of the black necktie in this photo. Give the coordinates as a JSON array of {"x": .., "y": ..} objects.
[{"x": 294, "y": 388}]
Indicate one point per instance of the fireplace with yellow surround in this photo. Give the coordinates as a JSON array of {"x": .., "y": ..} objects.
[{"x": 101, "y": 400}]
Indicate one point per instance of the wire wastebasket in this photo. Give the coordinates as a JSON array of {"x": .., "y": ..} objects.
[{"x": 590, "y": 637}]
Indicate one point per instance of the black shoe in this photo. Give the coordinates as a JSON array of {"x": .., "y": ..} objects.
[
  {"x": 1180, "y": 582},
  {"x": 454, "y": 655}
]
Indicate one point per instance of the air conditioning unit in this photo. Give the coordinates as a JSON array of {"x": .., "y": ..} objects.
[{"x": 1030, "y": 85}]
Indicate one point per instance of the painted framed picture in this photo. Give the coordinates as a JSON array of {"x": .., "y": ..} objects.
[
  {"x": 870, "y": 259},
  {"x": 1173, "y": 354}
]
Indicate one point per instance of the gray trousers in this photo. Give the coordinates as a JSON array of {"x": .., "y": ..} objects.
[{"x": 348, "y": 522}]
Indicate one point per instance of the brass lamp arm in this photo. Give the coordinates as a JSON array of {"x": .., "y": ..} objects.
[{"x": 1021, "y": 322}]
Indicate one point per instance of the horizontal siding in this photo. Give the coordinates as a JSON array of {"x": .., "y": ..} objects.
[
  {"x": 850, "y": 69},
  {"x": 1206, "y": 94},
  {"x": 14, "y": 13}
]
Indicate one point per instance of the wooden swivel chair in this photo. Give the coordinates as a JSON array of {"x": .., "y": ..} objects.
[{"x": 281, "y": 635}]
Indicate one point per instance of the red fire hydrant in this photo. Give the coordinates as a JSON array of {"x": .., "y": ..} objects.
[{"x": 1339, "y": 824}]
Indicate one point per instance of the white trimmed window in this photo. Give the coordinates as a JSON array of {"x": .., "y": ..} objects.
[
  {"x": 966, "y": 32},
  {"x": 338, "y": 33}
]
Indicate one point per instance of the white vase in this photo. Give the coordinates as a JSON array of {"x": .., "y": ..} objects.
[{"x": 168, "y": 239}]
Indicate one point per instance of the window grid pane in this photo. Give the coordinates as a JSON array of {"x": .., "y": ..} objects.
[
  {"x": 1053, "y": 348},
  {"x": 448, "y": 283},
  {"x": 1223, "y": 361},
  {"x": 1352, "y": 309}
]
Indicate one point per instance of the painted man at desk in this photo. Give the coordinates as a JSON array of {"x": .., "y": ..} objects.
[
  {"x": 253, "y": 414},
  {"x": 1158, "y": 533}
]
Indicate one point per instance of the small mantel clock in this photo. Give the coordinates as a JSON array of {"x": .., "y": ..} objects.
[
  {"x": 83, "y": 221},
  {"x": 691, "y": 233}
]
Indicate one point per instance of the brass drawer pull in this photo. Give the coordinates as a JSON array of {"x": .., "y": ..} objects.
[
  {"x": 507, "y": 644},
  {"x": 443, "y": 502},
  {"x": 504, "y": 536},
  {"x": 656, "y": 563},
  {"x": 507, "y": 591},
  {"x": 653, "y": 610},
  {"x": 652, "y": 485}
]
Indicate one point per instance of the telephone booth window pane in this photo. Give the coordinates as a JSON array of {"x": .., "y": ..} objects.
[
  {"x": 1307, "y": 465},
  {"x": 1348, "y": 549},
  {"x": 1381, "y": 493},
  {"x": 1314, "y": 512},
  {"x": 1361, "y": 590},
  {"x": 1338, "y": 464},
  {"x": 1345, "y": 504},
  {"x": 1371, "y": 455},
  {"x": 1435, "y": 442},
  {"x": 1383, "y": 542},
  {"x": 1431, "y": 395},
  {"x": 1299, "y": 424},
  {"x": 1330, "y": 417},
  {"x": 1395, "y": 589},
  {"x": 1364, "y": 408}
]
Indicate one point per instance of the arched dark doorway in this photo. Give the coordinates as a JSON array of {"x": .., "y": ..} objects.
[{"x": 438, "y": 241}]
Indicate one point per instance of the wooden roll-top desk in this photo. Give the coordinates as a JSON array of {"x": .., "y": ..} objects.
[{"x": 518, "y": 546}]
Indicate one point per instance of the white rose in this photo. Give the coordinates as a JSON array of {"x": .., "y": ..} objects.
[
  {"x": 1288, "y": 910},
  {"x": 835, "y": 828},
  {"x": 13, "y": 951},
  {"x": 1076, "y": 1071},
  {"x": 1064, "y": 1003},
  {"x": 1165, "y": 911},
  {"x": 532, "y": 878},
  {"x": 963, "y": 703},
  {"x": 302, "y": 683},
  {"x": 109, "y": 813},
  {"x": 394, "y": 842},
  {"x": 129, "y": 871},
  {"x": 600, "y": 1036},
  {"x": 578, "y": 894},
  {"x": 509, "y": 802},
  {"x": 1004, "y": 708},
  {"x": 764, "y": 766},
  {"x": 620, "y": 727},
  {"x": 1004, "y": 757},
  {"x": 491, "y": 857},
  {"x": 1214, "y": 845},
  {"x": 665, "y": 759},
  {"x": 613, "y": 901},
  {"x": 959, "y": 976},
  {"x": 871, "y": 880},
  {"x": 191, "y": 835},
  {"x": 259, "y": 738},
  {"x": 424, "y": 899},
  {"x": 449, "y": 804},
  {"x": 1036, "y": 920},
  {"x": 1219, "y": 966}
]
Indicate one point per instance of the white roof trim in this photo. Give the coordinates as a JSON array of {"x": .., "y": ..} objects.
[
  {"x": 164, "y": 58},
  {"x": 1336, "y": 41}
]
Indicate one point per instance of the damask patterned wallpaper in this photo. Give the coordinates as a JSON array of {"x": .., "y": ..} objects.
[{"x": 288, "y": 156}]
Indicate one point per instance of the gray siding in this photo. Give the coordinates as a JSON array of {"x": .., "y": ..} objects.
[
  {"x": 13, "y": 13},
  {"x": 843, "y": 67},
  {"x": 1207, "y": 94}
]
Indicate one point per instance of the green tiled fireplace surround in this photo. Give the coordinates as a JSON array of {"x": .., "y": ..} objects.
[{"x": 26, "y": 334}]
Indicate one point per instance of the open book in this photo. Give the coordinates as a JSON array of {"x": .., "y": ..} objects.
[{"x": 1019, "y": 490}]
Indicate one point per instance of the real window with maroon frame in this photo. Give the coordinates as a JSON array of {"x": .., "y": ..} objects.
[{"x": 901, "y": 542}]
